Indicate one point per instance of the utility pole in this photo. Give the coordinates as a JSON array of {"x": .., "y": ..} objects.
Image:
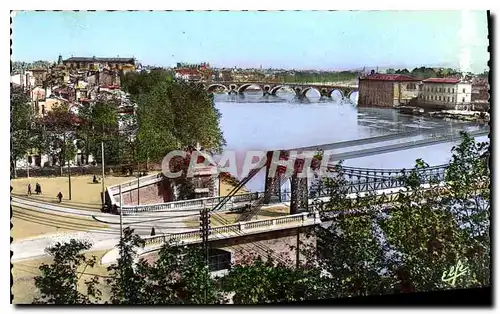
[
  {"x": 297, "y": 257},
  {"x": 69, "y": 180},
  {"x": 102, "y": 162},
  {"x": 121, "y": 215},
  {"x": 28, "y": 166},
  {"x": 64, "y": 157},
  {"x": 205, "y": 231},
  {"x": 138, "y": 183}
]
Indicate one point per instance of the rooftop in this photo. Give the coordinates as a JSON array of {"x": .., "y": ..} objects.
[
  {"x": 441, "y": 80},
  {"x": 389, "y": 77},
  {"x": 94, "y": 59}
]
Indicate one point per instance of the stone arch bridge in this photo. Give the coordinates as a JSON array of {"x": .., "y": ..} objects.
[{"x": 300, "y": 89}]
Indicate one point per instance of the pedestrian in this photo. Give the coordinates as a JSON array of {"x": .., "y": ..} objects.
[
  {"x": 60, "y": 196},
  {"x": 37, "y": 188},
  {"x": 29, "y": 189}
]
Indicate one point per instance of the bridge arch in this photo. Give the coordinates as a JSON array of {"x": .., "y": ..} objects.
[
  {"x": 275, "y": 89},
  {"x": 243, "y": 87},
  {"x": 212, "y": 87},
  {"x": 305, "y": 90},
  {"x": 349, "y": 93},
  {"x": 342, "y": 93}
]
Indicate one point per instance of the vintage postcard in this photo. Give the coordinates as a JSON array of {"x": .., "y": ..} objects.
[{"x": 183, "y": 157}]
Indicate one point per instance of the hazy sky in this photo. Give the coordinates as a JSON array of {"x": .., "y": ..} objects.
[{"x": 301, "y": 40}]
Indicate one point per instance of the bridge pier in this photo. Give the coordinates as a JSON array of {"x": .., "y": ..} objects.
[
  {"x": 272, "y": 190},
  {"x": 299, "y": 199}
]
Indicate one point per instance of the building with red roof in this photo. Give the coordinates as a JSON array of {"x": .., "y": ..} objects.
[
  {"x": 387, "y": 90},
  {"x": 445, "y": 93}
]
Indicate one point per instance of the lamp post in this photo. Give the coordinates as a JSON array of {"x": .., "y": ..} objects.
[
  {"x": 102, "y": 162},
  {"x": 65, "y": 158},
  {"x": 28, "y": 165}
]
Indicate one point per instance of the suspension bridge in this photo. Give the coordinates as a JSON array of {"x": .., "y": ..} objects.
[{"x": 358, "y": 179}]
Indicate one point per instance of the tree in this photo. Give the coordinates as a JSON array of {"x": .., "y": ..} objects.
[
  {"x": 269, "y": 281},
  {"x": 423, "y": 73},
  {"x": 425, "y": 238},
  {"x": 60, "y": 124},
  {"x": 403, "y": 71},
  {"x": 101, "y": 124},
  {"x": 180, "y": 276},
  {"x": 408, "y": 245},
  {"x": 352, "y": 255},
  {"x": 126, "y": 285},
  {"x": 468, "y": 182},
  {"x": 22, "y": 127},
  {"x": 174, "y": 115},
  {"x": 58, "y": 282}
]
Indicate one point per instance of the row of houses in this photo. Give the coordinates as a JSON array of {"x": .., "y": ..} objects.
[
  {"x": 75, "y": 82},
  {"x": 393, "y": 90}
]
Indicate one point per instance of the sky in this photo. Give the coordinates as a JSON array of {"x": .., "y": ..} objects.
[{"x": 327, "y": 40}]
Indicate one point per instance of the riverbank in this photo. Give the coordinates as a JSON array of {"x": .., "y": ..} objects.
[{"x": 461, "y": 115}]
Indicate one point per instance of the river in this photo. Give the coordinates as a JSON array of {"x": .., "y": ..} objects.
[{"x": 256, "y": 122}]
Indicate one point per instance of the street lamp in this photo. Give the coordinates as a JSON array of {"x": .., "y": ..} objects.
[{"x": 67, "y": 160}]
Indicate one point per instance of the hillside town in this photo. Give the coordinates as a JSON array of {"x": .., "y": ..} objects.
[
  {"x": 79, "y": 81},
  {"x": 265, "y": 169}
]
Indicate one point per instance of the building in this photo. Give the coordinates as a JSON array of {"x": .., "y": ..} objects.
[
  {"x": 445, "y": 93},
  {"x": 387, "y": 90},
  {"x": 25, "y": 79},
  {"x": 95, "y": 64},
  {"x": 39, "y": 75},
  {"x": 187, "y": 74},
  {"x": 193, "y": 72}
]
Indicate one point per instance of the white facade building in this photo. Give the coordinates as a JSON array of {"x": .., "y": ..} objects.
[
  {"x": 446, "y": 93},
  {"x": 25, "y": 79}
]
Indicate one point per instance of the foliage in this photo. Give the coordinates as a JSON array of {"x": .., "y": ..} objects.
[
  {"x": 58, "y": 282},
  {"x": 138, "y": 83},
  {"x": 101, "y": 124},
  {"x": 469, "y": 180},
  {"x": 425, "y": 72},
  {"x": 126, "y": 284},
  {"x": 351, "y": 253},
  {"x": 59, "y": 126},
  {"x": 416, "y": 238},
  {"x": 17, "y": 66},
  {"x": 317, "y": 77},
  {"x": 180, "y": 276},
  {"x": 172, "y": 115},
  {"x": 364, "y": 247},
  {"x": 22, "y": 126},
  {"x": 334, "y": 186},
  {"x": 270, "y": 281}
]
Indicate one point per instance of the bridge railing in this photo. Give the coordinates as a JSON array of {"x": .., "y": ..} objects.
[
  {"x": 198, "y": 203},
  {"x": 238, "y": 229},
  {"x": 365, "y": 183},
  {"x": 425, "y": 175}
]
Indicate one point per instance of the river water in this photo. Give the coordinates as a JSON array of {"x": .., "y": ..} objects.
[{"x": 255, "y": 122}]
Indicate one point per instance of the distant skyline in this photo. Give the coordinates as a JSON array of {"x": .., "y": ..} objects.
[{"x": 325, "y": 40}]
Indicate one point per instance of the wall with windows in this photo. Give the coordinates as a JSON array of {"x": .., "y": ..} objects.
[
  {"x": 449, "y": 96},
  {"x": 404, "y": 92},
  {"x": 373, "y": 93}
]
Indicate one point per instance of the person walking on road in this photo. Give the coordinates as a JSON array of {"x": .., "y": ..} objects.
[
  {"x": 29, "y": 189},
  {"x": 60, "y": 196}
]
